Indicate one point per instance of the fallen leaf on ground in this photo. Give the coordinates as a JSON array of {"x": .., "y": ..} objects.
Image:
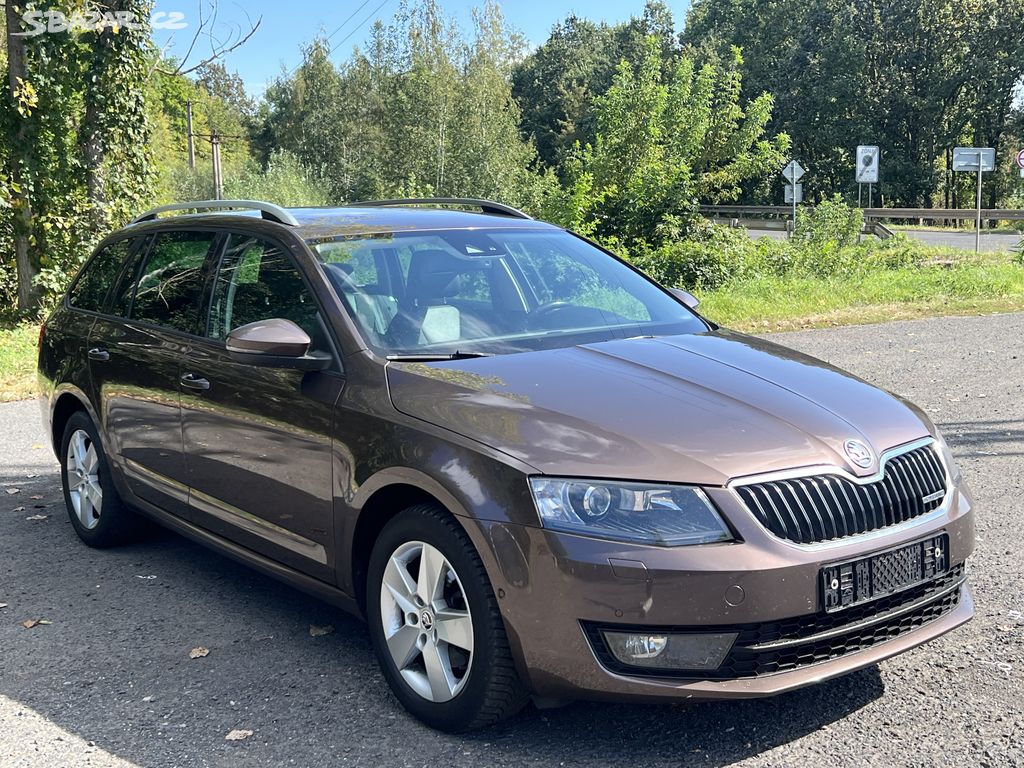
[
  {"x": 12, "y": 491},
  {"x": 18, "y": 509},
  {"x": 238, "y": 735},
  {"x": 198, "y": 653},
  {"x": 37, "y": 517},
  {"x": 3, "y": 605},
  {"x": 145, "y": 577},
  {"x": 315, "y": 631},
  {"x": 37, "y": 497},
  {"x": 29, "y": 623}
]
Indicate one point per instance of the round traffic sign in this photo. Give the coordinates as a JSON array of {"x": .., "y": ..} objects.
[{"x": 1020, "y": 158}]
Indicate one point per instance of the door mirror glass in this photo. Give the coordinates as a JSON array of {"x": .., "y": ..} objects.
[
  {"x": 686, "y": 297},
  {"x": 275, "y": 343}
]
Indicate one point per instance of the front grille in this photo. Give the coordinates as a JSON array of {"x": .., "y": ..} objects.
[
  {"x": 827, "y": 507},
  {"x": 782, "y": 646}
]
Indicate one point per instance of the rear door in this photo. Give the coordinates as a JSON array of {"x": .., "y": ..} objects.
[
  {"x": 135, "y": 359},
  {"x": 257, "y": 440}
]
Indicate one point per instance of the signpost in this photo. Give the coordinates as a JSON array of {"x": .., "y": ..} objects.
[
  {"x": 867, "y": 169},
  {"x": 975, "y": 160},
  {"x": 1020, "y": 162},
  {"x": 793, "y": 173}
]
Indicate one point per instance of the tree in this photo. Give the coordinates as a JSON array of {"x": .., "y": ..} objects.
[
  {"x": 913, "y": 76},
  {"x": 556, "y": 84},
  {"x": 666, "y": 144}
]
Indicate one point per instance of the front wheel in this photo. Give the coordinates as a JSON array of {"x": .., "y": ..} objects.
[{"x": 435, "y": 624}]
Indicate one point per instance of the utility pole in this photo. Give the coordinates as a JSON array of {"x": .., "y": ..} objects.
[
  {"x": 218, "y": 181},
  {"x": 191, "y": 136}
]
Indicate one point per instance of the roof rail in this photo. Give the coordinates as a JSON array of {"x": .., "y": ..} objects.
[
  {"x": 486, "y": 206},
  {"x": 268, "y": 211}
]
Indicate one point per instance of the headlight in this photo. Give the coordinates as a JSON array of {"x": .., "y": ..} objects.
[
  {"x": 947, "y": 456},
  {"x": 653, "y": 514}
]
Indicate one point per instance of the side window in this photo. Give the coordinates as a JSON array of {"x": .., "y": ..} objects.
[
  {"x": 256, "y": 281},
  {"x": 90, "y": 289},
  {"x": 170, "y": 284}
]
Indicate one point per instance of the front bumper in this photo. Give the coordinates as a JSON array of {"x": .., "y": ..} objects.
[{"x": 555, "y": 588}]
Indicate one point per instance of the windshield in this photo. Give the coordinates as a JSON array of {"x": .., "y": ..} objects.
[{"x": 469, "y": 292}]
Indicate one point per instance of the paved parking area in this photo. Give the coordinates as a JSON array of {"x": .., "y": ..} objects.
[{"x": 109, "y": 681}]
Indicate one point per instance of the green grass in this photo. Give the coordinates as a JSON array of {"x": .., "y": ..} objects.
[
  {"x": 870, "y": 297},
  {"x": 18, "y": 360}
]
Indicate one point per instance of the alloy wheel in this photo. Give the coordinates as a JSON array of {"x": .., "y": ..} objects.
[
  {"x": 83, "y": 465},
  {"x": 427, "y": 623}
]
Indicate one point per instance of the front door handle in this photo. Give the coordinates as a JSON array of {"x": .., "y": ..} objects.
[
  {"x": 99, "y": 354},
  {"x": 192, "y": 381}
]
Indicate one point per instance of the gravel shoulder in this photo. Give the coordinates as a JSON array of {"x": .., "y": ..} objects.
[{"x": 109, "y": 681}]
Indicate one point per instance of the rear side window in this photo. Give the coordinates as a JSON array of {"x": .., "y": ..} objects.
[
  {"x": 170, "y": 283},
  {"x": 90, "y": 290}
]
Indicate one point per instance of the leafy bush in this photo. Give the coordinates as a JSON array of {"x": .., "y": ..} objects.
[
  {"x": 283, "y": 181},
  {"x": 825, "y": 245}
]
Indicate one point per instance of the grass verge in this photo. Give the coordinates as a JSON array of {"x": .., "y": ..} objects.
[
  {"x": 18, "y": 360},
  {"x": 806, "y": 302}
]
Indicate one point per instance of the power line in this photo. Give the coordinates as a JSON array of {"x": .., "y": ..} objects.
[
  {"x": 361, "y": 25},
  {"x": 346, "y": 21},
  {"x": 340, "y": 26}
]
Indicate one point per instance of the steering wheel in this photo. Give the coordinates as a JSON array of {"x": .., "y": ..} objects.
[{"x": 551, "y": 306}]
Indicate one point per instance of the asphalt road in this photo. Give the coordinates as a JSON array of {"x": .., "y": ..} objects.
[
  {"x": 990, "y": 242},
  {"x": 110, "y": 683}
]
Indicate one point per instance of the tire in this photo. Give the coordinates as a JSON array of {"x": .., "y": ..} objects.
[
  {"x": 444, "y": 684},
  {"x": 99, "y": 515}
]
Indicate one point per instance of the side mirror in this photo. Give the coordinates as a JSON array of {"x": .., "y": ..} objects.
[
  {"x": 274, "y": 343},
  {"x": 686, "y": 297}
]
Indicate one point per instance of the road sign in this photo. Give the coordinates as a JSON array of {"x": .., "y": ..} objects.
[
  {"x": 1020, "y": 159},
  {"x": 966, "y": 159},
  {"x": 799, "y": 194},
  {"x": 867, "y": 164},
  {"x": 793, "y": 172}
]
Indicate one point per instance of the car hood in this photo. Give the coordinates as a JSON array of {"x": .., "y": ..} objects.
[{"x": 701, "y": 408}]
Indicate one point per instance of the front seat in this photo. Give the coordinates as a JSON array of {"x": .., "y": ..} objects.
[{"x": 424, "y": 317}]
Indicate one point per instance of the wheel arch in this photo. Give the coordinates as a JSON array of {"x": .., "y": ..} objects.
[
  {"x": 381, "y": 498},
  {"x": 66, "y": 402}
]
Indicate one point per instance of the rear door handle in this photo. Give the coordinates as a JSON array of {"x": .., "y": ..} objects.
[
  {"x": 99, "y": 354},
  {"x": 192, "y": 381}
]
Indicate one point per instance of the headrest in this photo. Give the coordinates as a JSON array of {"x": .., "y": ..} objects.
[{"x": 433, "y": 273}]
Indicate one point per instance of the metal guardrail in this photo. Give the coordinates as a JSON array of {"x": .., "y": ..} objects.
[
  {"x": 928, "y": 214},
  {"x": 871, "y": 227}
]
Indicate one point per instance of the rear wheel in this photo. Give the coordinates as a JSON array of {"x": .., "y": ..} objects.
[
  {"x": 99, "y": 516},
  {"x": 436, "y": 626}
]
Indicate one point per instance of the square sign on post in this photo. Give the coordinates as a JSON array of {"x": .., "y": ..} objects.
[
  {"x": 794, "y": 193},
  {"x": 867, "y": 164},
  {"x": 967, "y": 159},
  {"x": 977, "y": 160}
]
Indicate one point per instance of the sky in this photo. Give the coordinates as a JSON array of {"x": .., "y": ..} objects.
[{"x": 287, "y": 25}]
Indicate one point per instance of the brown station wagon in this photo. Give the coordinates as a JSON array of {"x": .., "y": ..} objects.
[{"x": 534, "y": 471}]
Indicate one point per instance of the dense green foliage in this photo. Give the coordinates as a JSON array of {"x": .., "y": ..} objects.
[
  {"x": 916, "y": 77},
  {"x": 618, "y": 131}
]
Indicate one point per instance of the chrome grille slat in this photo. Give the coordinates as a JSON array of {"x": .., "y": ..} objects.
[{"x": 829, "y": 506}]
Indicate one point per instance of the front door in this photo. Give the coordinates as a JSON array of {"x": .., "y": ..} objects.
[
  {"x": 135, "y": 353},
  {"x": 258, "y": 440}
]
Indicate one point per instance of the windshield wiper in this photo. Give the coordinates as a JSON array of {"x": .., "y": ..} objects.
[{"x": 427, "y": 357}]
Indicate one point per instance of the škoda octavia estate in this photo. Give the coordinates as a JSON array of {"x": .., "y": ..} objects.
[{"x": 531, "y": 469}]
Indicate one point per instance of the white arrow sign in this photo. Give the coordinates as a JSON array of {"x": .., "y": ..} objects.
[{"x": 793, "y": 172}]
